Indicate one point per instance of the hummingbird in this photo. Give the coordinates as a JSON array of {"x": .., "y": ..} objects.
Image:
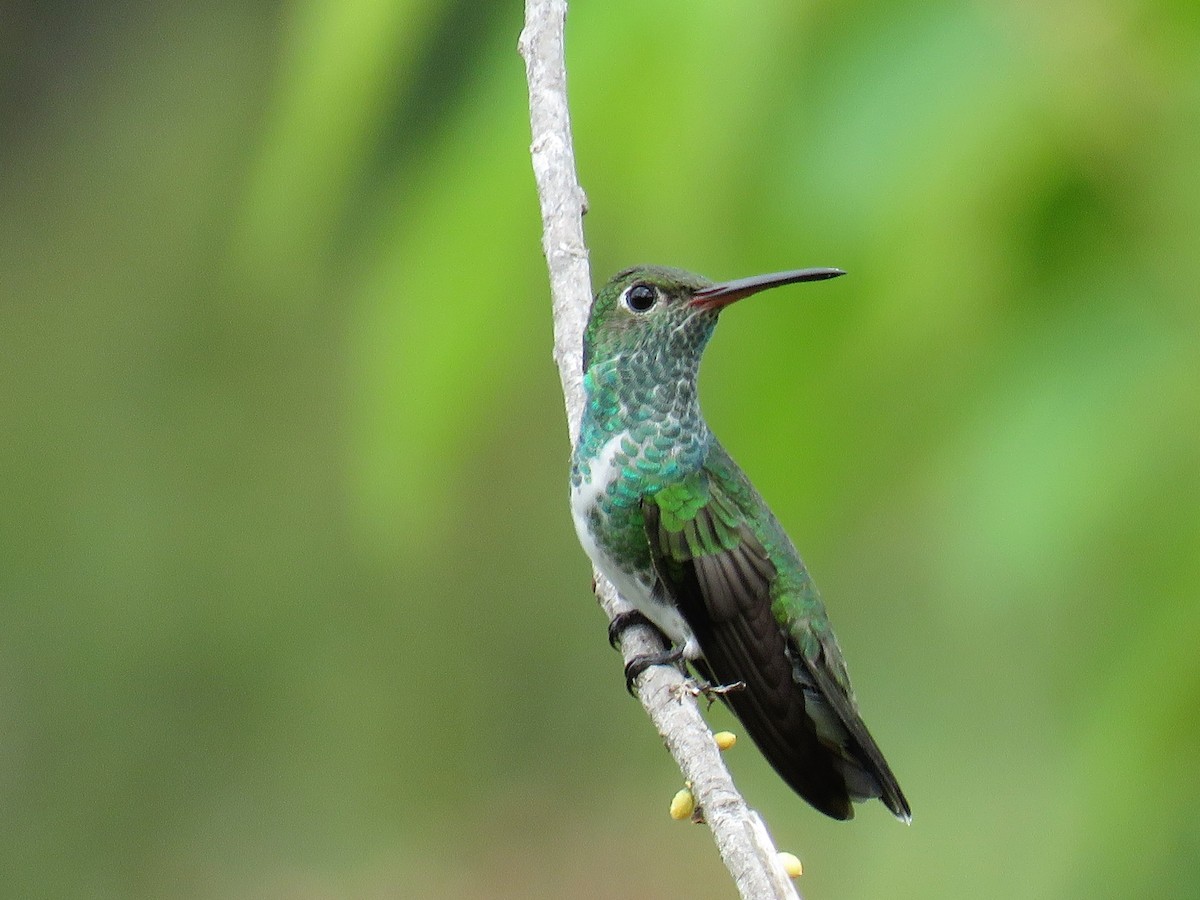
[{"x": 671, "y": 520}]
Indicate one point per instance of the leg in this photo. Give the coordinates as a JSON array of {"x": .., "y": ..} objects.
[
  {"x": 640, "y": 664},
  {"x": 624, "y": 620}
]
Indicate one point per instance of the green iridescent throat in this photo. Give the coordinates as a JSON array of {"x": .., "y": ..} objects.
[{"x": 645, "y": 394}]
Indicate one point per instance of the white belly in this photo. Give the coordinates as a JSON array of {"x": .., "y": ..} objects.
[{"x": 635, "y": 590}]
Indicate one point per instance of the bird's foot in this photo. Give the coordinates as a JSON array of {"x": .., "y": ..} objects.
[
  {"x": 640, "y": 664},
  {"x": 623, "y": 620},
  {"x": 710, "y": 692}
]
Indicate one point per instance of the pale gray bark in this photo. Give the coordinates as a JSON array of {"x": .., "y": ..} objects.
[{"x": 741, "y": 838}]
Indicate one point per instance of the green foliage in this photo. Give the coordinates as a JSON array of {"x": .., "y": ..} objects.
[{"x": 290, "y": 602}]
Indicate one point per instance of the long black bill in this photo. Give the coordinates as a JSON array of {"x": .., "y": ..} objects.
[{"x": 718, "y": 296}]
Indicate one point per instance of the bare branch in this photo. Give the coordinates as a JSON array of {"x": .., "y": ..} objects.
[{"x": 740, "y": 835}]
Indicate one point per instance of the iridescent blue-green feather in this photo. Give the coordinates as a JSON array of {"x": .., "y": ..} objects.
[{"x": 796, "y": 707}]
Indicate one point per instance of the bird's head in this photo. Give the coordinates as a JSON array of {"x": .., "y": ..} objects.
[{"x": 646, "y": 311}]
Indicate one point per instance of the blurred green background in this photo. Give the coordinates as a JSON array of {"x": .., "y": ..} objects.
[{"x": 290, "y": 601}]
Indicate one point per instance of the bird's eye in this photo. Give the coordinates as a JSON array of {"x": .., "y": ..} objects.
[{"x": 640, "y": 297}]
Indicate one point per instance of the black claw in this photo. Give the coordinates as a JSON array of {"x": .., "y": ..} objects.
[
  {"x": 624, "y": 620},
  {"x": 640, "y": 664}
]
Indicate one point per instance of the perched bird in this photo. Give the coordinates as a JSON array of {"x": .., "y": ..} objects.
[{"x": 669, "y": 518}]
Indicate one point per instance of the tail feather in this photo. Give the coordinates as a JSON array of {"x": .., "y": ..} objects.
[
  {"x": 772, "y": 708},
  {"x": 867, "y": 772}
]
